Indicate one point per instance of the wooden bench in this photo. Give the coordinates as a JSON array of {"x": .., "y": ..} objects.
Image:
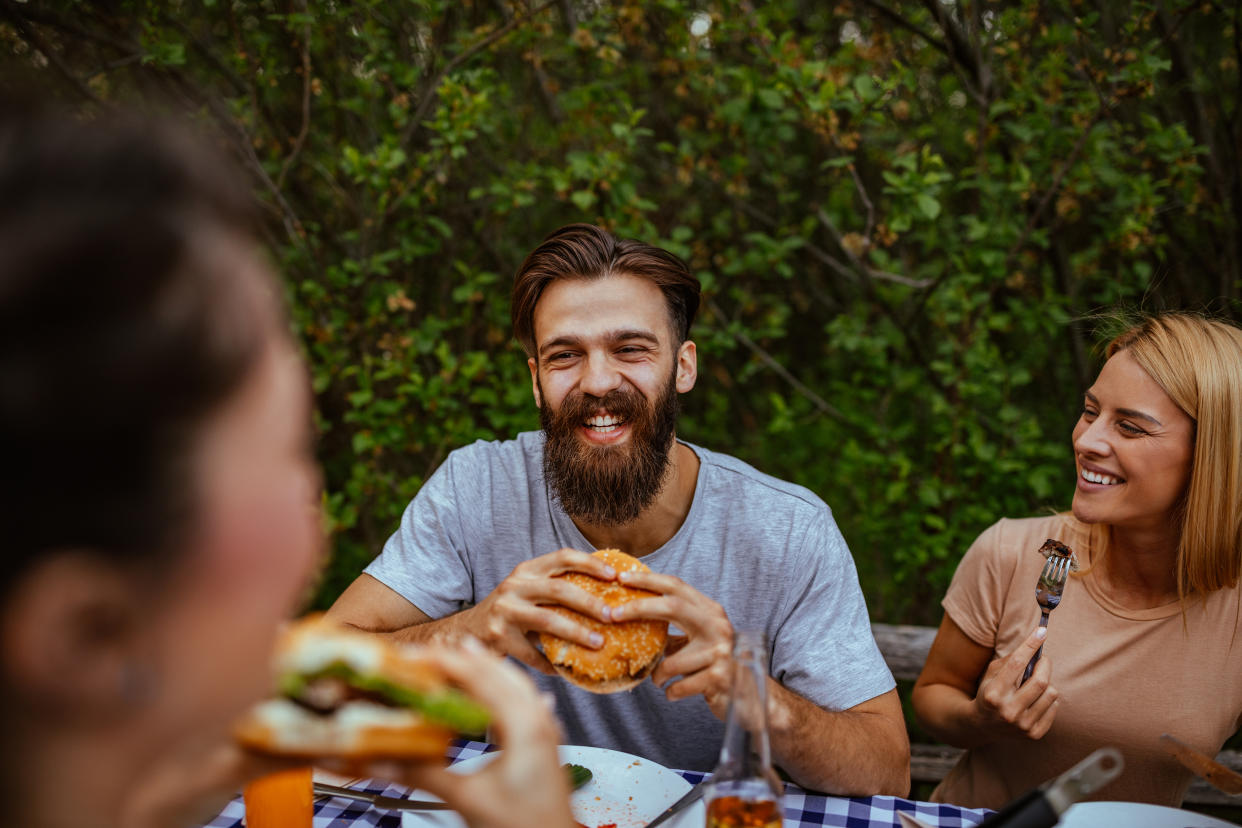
[{"x": 905, "y": 649}]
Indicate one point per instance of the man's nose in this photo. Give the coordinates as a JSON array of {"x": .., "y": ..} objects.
[{"x": 599, "y": 376}]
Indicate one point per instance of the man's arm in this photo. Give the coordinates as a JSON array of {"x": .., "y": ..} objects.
[
  {"x": 370, "y": 605},
  {"x": 862, "y": 751},
  {"x": 505, "y": 621}
]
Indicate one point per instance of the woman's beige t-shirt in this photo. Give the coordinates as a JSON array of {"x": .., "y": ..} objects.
[{"x": 1125, "y": 676}]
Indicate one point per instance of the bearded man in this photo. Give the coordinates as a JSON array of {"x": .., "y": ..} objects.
[{"x": 605, "y": 323}]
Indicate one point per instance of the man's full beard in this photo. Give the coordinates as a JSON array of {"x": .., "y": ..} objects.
[{"x": 609, "y": 485}]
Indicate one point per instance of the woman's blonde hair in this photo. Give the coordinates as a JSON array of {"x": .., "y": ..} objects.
[{"x": 1198, "y": 363}]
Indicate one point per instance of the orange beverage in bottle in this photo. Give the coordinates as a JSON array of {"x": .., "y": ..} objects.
[
  {"x": 281, "y": 800},
  {"x": 736, "y": 812}
]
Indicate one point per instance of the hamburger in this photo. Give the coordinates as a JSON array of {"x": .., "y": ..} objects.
[
  {"x": 631, "y": 649},
  {"x": 355, "y": 696}
]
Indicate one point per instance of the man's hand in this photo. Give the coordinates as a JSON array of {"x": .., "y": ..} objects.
[
  {"x": 703, "y": 656},
  {"x": 508, "y": 619},
  {"x": 1007, "y": 707}
]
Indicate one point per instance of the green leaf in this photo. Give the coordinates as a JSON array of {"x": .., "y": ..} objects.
[{"x": 928, "y": 204}]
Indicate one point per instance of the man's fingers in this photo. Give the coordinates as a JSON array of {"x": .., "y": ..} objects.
[
  {"x": 558, "y": 591},
  {"x": 662, "y": 608},
  {"x": 689, "y": 660},
  {"x": 571, "y": 560},
  {"x": 517, "y": 615},
  {"x": 654, "y": 582}
]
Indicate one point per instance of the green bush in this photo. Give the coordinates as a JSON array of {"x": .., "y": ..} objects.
[{"x": 903, "y": 214}]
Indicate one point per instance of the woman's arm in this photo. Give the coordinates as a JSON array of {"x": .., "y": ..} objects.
[{"x": 966, "y": 698}]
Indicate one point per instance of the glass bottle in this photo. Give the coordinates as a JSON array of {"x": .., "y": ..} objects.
[{"x": 744, "y": 791}]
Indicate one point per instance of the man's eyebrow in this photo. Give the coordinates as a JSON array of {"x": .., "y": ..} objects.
[
  {"x": 1128, "y": 412},
  {"x": 610, "y": 336}
]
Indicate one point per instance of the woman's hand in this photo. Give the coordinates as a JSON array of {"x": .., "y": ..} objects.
[
  {"x": 524, "y": 787},
  {"x": 967, "y": 697},
  {"x": 1006, "y": 706}
]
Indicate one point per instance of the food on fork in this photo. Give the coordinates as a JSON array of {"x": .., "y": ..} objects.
[
  {"x": 631, "y": 649},
  {"x": 355, "y": 696}
]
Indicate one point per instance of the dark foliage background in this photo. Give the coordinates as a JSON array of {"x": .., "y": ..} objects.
[{"x": 905, "y": 215}]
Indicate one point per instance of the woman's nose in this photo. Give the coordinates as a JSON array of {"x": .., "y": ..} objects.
[{"x": 1091, "y": 438}]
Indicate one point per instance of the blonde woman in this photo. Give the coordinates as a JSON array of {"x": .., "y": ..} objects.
[{"x": 1145, "y": 640}]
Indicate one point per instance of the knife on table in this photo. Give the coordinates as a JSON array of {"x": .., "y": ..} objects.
[
  {"x": 1202, "y": 765},
  {"x": 692, "y": 796},
  {"x": 384, "y": 803}
]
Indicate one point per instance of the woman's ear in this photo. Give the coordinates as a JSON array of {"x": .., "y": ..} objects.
[{"x": 72, "y": 639}]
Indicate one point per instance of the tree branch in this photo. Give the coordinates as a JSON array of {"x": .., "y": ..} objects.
[
  {"x": 1069, "y": 162},
  {"x": 429, "y": 95},
  {"x": 32, "y": 37},
  {"x": 300, "y": 140},
  {"x": 859, "y": 265},
  {"x": 767, "y": 359}
]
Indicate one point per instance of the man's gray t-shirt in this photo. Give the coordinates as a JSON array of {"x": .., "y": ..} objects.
[{"x": 767, "y": 551}]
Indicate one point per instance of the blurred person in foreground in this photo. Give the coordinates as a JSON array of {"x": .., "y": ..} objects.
[
  {"x": 159, "y": 493},
  {"x": 1145, "y": 639},
  {"x": 605, "y": 323}
]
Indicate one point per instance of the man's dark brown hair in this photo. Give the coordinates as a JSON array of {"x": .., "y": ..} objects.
[{"x": 584, "y": 251}]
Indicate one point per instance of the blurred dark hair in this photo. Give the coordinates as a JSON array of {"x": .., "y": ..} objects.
[
  {"x": 584, "y": 251},
  {"x": 123, "y": 325}
]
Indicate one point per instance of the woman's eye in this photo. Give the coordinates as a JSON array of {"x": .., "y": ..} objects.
[
  {"x": 1087, "y": 412},
  {"x": 1129, "y": 428}
]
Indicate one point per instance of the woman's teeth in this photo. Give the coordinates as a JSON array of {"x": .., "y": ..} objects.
[{"x": 1093, "y": 477}]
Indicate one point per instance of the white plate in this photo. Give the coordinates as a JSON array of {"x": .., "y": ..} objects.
[
  {"x": 1135, "y": 815},
  {"x": 624, "y": 789}
]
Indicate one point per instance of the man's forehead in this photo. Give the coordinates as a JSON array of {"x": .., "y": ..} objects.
[{"x": 596, "y": 308}]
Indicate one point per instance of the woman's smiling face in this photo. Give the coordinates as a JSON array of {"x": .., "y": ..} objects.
[{"x": 1133, "y": 449}]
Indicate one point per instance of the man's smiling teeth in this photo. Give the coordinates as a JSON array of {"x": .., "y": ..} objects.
[
  {"x": 603, "y": 425},
  {"x": 1092, "y": 477}
]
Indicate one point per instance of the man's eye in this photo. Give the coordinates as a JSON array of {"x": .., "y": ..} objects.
[{"x": 562, "y": 356}]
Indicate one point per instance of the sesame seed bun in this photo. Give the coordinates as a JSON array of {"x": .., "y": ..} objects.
[{"x": 631, "y": 649}]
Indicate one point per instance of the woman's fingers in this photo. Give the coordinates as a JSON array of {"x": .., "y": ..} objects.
[{"x": 1015, "y": 664}]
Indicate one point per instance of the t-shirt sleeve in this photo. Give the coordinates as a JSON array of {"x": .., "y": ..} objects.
[
  {"x": 425, "y": 560},
  {"x": 824, "y": 650},
  {"x": 975, "y": 598}
]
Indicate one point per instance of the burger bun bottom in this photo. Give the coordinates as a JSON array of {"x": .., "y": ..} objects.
[{"x": 604, "y": 686}]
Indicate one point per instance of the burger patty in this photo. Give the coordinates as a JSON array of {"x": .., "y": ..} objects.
[{"x": 326, "y": 694}]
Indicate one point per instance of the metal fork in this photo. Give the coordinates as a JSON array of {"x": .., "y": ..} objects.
[{"x": 1049, "y": 588}]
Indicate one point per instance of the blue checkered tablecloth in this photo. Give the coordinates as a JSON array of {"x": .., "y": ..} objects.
[{"x": 803, "y": 809}]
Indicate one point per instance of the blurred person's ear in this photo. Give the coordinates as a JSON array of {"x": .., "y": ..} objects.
[{"x": 72, "y": 638}]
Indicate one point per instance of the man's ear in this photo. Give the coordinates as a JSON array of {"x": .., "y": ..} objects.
[
  {"x": 534, "y": 381},
  {"x": 71, "y": 637},
  {"x": 687, "y": 366}
]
